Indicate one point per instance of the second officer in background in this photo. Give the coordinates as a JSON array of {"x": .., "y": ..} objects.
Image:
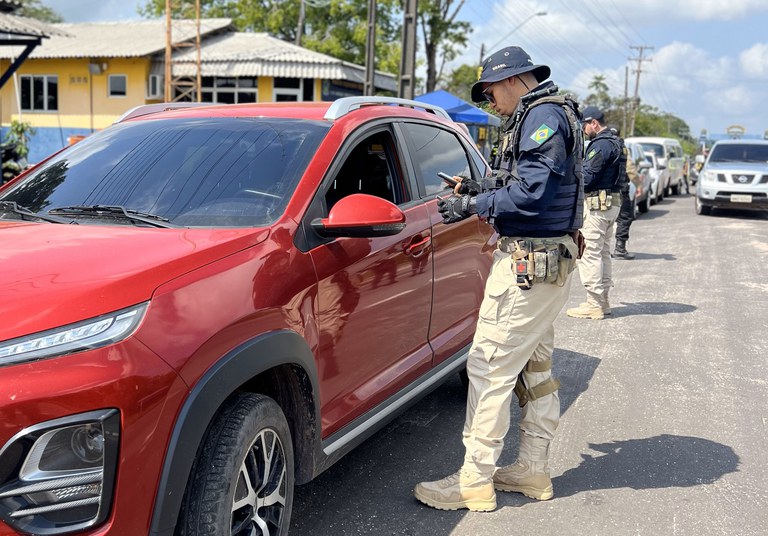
[{"x": 604, "y": 177}]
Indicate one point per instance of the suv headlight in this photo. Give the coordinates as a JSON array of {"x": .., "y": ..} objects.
[
  {"x": 86, "y": 335},
  {"x": 58, "y": 476},
  {"x": 709, "y": 176}
]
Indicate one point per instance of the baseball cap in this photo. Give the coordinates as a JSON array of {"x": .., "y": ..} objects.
[
  {"x": 593, "y": 112},
  {"x": 506, "y": 63}
]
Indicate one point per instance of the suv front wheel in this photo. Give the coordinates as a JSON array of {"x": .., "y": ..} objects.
[
  {"x": 701, "y": 208},
  {"x": 243, "y": 479}
]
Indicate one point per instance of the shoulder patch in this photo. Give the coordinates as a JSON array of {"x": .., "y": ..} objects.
[
  {"x": 591, "y": 153},
  {"x": 542, "y": 134}
]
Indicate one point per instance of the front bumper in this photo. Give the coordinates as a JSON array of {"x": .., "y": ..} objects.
[{"x": 734, "y": 199}]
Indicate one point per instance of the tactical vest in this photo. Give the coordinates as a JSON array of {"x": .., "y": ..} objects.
[
  {"x": 614, "y": 175},
  {"x": 567, "y": 214}
]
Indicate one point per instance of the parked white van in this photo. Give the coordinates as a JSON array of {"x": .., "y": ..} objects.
[{"x": 669, "y": 154}]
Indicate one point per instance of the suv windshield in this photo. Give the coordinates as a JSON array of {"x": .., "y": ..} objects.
[
  {"x": 222, "y": 172},
  {"x": 740, "y": 152}
]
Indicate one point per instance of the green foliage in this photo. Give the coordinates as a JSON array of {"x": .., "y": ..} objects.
[
  {"x": 334, "y": 27},
  {"x": 649, "y": 121},
  {"x": 20, "y": 132},
  {"x": 34, "y": 10},
  {"x": 444, "y": 36}
]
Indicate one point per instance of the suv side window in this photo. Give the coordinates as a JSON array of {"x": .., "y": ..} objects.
[
  {"x": 371, "y": 167},
  {"x": 432, "y": 150}
]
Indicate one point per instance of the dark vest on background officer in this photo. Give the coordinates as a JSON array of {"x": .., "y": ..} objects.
[
  {"x": 537, "y": 187},
  {"x": 606, "y": 161}
]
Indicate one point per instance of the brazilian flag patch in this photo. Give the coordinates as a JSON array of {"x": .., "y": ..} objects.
[
  {"x": 542, "y": 134},
  {"x": 591, "y": 153}
]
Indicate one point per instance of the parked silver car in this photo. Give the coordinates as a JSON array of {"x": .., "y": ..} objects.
[
  {"x": 735, "y": 175},
  {"x": 640, "y": 193}
]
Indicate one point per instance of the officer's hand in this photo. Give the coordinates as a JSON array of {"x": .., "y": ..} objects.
[
  {"x": 456, "y": 208},
  {"x": 581, "y": 243},
  {"x": 468, "y": 187}
]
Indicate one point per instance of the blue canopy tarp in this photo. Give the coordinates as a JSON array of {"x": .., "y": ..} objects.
[{"x": 460, "y": 111}]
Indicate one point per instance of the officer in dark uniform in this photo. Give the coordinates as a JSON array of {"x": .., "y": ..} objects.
[
  {"x": 534, "y": 200},
  {"x": 604, "y": 177},
  {"x": 627, "y": 210}
]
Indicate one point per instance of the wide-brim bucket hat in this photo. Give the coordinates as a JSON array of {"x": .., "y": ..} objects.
[{"x": 506, "y": 63}]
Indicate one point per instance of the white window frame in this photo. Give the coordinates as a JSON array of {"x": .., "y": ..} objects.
[
  {"x": 288, "y": 91},
  {"x": 109, "y": 86},
  {"x": 215, "y": 90},
  {"x": 45, "y": 77},
  {"x": 156, "y": 81}
]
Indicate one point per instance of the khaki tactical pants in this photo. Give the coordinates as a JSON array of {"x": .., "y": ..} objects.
[
  {"x": 595, "y": 268},
  {"x": 515, "y": 326}
]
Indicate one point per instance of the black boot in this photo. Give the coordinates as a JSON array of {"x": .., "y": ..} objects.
[{"x": 621, "y": 251}]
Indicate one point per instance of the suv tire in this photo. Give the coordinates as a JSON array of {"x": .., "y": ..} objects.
[
  {"x": 243, "y": 478},
  {"x": 702, "y": 209}
]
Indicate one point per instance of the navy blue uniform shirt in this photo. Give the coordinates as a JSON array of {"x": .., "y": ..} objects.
[
  {"x": 601, "y": 163},
  {"x": 543, "y": 163}
]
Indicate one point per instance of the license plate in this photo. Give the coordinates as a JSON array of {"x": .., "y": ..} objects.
[{"x": 741, "y": 198}]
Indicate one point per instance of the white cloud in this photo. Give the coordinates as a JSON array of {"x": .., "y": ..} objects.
[{"x": 754, "y": 61}]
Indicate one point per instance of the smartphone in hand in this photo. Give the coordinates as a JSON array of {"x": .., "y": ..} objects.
[{"x": 447, "y": 178}]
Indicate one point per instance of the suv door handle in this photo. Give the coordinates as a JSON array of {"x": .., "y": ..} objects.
[{"x": 418, "y": 248}]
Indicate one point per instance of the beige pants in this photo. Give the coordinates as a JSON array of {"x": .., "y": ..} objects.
[
  {"x": 515, "y": 326},
  {"x": 595, "y": 268}
]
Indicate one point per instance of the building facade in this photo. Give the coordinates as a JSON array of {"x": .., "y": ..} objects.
[{"x": 86, "y": 78}]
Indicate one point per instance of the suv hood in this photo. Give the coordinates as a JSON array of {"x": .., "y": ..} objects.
[
  {"x": 738, "y": 167},
  {"x": 52, "y": 275}
]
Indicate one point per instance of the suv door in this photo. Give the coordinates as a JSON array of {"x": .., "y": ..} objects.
[
  {"x": 368, "y": 288},
  {"x": 463, "y": 250}
]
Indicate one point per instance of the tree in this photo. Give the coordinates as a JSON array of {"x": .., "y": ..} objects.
[
  {"x": 34, "y": 10},
  {"x": 599, "y": 96},
  {"x": 334, "y": 27},
  {"x": 443, "y": 35}
]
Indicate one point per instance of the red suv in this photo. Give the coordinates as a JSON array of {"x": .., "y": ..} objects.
[{"x": 205, "y": 305}]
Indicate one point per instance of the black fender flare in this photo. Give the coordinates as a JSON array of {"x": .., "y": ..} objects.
[{"x": 230, "y": 372}]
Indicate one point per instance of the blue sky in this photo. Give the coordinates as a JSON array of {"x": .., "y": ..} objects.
[{"x": 709, "y": 62}]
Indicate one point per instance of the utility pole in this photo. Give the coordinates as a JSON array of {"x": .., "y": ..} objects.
[
  {"x": 370, "y": 51},
  {"x": 636, "y": 99},
  {"x": 408, "y": 58},
  {"x": 181, "y": 88},
  {"x": 626, "y": 101},
  {"x": 300, "y": 25}
]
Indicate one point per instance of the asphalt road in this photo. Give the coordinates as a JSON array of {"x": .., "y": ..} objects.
[{"x": 664, "y": 408}]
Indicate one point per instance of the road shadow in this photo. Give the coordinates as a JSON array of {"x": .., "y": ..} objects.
[
  {"x": 649, "y": 308},
  {"x": 663, "y": 461},
  {"x": 650, "y": 256},
  {"x": 370, "y": 491},
  {"x": 740, "y": 214},
  {"x": 654, "y": 212}
]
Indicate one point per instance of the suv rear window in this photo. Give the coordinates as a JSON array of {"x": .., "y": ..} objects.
[
  {"x": 222, "y": 172},
  {"x": 654, "y": 148},
  {"x": 738, "y": 152}
]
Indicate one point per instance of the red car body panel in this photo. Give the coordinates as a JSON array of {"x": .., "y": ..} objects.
[
  {"x": 48, "y": 279},
  {"x": 376, "y": 313}
]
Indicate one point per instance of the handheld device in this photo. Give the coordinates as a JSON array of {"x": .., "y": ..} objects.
[{"x": 447, "y": 178}]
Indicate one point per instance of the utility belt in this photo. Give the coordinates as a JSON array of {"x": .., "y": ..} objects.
[
  {"x": 602, "y": 199},
  {"x": 538, "y": 260}
]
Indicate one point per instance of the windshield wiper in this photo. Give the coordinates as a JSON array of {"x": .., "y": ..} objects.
[
  {"x": 24, "y": 212},
  {"x": 114, "y": 212}
]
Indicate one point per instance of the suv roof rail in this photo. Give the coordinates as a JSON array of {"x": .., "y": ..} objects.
[
  {"x": 344, "y": 105},
  {"x": 147, "y": 109}
]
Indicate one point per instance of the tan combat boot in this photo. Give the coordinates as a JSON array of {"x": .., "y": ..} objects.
[
  {"x": 587, "y": 310},
  {"x": 460, "y": 490},
  {"x": 529, "y": 475}
]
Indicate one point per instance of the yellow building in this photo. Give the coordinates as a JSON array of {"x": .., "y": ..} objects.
[{"x": 83, "y": 80}]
